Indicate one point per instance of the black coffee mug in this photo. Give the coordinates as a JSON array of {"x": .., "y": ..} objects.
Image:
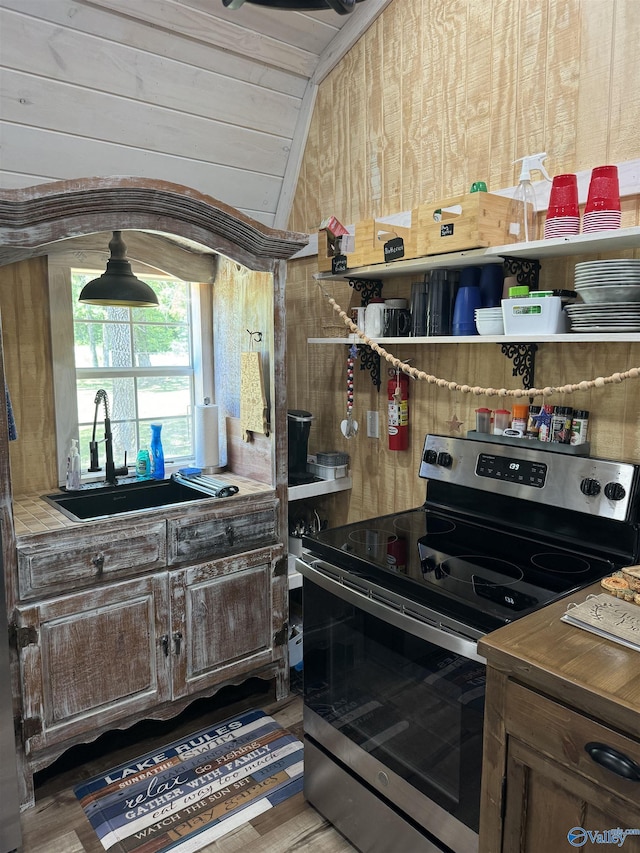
[{"x": 397, "y": 322}]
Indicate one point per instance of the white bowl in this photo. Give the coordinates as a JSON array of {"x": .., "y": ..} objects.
[
  {"x": 490, "y": 327},
  {"x": 609, "y": 293}
]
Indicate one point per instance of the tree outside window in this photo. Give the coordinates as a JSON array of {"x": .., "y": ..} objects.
[{"x": 143, "y": 358}]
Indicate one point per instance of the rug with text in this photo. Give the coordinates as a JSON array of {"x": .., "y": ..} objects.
[{"x": 185, "y": 795}]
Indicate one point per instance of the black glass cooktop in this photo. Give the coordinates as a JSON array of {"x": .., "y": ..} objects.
[{"x": 483, "y": 574}]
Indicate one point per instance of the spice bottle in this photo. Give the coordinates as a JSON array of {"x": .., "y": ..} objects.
[
  {"x": 579, "y": 426},
  {"x": 561, "y": 424},
  {"x": 519, "y": 415},
  {"x": 483, "y": 420},
  {"x": 532, "y": 422},
  {"x": 544, "y": 421},
  {"x": 501, "y": 421}
]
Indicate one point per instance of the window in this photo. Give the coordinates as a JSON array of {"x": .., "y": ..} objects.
[{"x": 144, "y": 359}]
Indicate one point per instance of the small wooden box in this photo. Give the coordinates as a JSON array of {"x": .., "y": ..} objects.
[
  {"x": 328, "y": 248},
  {"x": 468, "y": 221},
  {"x": 371, "y": 236}
]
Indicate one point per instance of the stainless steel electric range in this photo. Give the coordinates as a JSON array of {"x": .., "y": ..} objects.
[{"x": 393, "y": 608}]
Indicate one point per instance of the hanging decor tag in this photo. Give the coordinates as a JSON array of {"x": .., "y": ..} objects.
[
  {"x": 394, "y": 249},
  {"x": 338, "y": 264}
]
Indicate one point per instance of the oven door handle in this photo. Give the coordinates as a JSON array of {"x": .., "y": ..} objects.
[{"x": 405, "y": 617}]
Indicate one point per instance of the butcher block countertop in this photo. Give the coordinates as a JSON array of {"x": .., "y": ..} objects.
[{"x": 597, "y": 676}]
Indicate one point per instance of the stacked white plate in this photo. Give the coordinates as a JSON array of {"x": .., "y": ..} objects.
[
  {"x": 613, "y": 317},
  {"x": 489, "y": 321},
  {"x": 610, "y": 290}
]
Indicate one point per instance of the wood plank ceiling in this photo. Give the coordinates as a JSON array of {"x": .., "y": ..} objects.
[{"x": 183, "y": 90}]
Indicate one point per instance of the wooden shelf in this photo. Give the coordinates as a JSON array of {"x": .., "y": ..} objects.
[
  {"x": 568, "y": 337},
  {"x": 580, "y": 244},
  {"x": 318, "y": 487}
]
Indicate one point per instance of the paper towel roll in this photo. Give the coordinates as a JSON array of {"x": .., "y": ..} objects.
[{"x": 206, "y": 436}]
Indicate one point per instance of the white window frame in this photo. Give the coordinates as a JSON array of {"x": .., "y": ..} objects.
[{"x": 62, "y": 345}]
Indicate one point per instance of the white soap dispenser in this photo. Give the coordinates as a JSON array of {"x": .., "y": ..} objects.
[
  {"x": 73, "y": 467},
  {"x": 522, "y": 210}
]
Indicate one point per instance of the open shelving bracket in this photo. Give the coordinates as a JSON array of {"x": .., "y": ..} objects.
[
  {"x": 523, "y": 357},
  {"x": 370, "y": 360},
  {"x": 526, "y": 270},
  {"x": 369, "y": 288}
]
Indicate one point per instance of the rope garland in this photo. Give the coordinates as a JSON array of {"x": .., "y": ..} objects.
[{"x": 478, "y": 391}]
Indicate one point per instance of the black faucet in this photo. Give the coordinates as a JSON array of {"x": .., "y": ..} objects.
[{"x": 112, "y": 473}]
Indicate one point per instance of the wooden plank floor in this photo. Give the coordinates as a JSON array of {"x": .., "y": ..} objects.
[{"x": 57, "y": 823}]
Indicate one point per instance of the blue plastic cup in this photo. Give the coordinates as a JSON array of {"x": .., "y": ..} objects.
[
  {"x": 464, "y": 320},
  {"x": 491, "y": 284}
]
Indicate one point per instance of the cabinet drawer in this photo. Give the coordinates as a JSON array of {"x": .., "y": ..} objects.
[
  {"x": 206, "y": 537},
  {"x": 77, "y": 559},
  {"x": 562, "y": 734}
]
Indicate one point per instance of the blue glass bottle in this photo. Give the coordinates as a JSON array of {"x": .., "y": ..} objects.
[{"x": 157, "y": 453}]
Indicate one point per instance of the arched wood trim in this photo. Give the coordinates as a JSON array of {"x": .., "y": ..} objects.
[{"x": 34, "y": 216}]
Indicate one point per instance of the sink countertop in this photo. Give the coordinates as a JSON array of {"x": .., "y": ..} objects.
[{"x": 33, "y": 515}]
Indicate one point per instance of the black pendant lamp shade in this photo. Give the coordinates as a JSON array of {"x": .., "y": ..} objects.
[
  {"x": 118, "y": 285},
  {"x": 342, "y": 7}
]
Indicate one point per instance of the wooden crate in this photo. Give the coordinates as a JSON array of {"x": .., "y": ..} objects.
[
  {"x": 326, "y": 250},
  {"x": 371, "y": 236},
  {"x": 468, "y": 221}
]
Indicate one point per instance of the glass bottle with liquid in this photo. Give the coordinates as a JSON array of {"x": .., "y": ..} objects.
[{"x": 157, "y": 453}]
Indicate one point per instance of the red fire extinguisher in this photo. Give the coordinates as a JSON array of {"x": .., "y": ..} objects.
[{"x": 398, "y": 403}]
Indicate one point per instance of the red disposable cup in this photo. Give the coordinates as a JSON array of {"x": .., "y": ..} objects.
[
  {"x": 563, "y": 198},
  {"x": 604, "y": 189}
]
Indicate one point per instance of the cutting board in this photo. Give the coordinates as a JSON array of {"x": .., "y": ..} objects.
[{"x": 253, "y": 403}]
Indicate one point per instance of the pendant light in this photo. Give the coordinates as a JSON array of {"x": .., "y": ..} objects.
[
  {"x": 118, "y": 285},
  {"x": 342, "y": 7}
]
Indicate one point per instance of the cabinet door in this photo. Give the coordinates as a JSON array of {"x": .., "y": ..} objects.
[
  {"x": 221, "y": 621},
  {"x": 553, "y": 784},
  {"x": 545, "y": 801},
  {"x": 91, "y": 659}
]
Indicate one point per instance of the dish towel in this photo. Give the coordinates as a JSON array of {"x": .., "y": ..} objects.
[{"x": 13, "y": 432}]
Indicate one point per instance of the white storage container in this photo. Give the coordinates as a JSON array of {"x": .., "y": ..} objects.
[
  {"x": 531, "y": 316},
  {"x": 295, "y": 649},
  {"x": 326, "y": 472}
]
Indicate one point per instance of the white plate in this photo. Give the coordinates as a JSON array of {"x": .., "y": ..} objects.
[{"x": 595, "y": 328}]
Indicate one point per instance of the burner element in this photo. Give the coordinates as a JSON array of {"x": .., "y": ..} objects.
[
  {"x": 435, "y": 525},
  {"x": 372, "y": 543},
  {"x": 464, "y": 569},
  {"x": 565, "y": 564}
]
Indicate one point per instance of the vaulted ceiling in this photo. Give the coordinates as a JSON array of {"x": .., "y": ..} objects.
[{"x": 189, "y": 91}]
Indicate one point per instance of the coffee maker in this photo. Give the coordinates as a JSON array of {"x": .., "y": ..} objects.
[{"x": 298, "y": 428}]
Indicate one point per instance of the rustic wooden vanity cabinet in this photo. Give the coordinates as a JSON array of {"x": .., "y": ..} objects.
[
  {"x": 117, "y": 620},
  {"x": 562, "y": 737}
]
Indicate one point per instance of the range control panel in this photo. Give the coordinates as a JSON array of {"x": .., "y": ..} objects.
[
  {"x": 593, "y": 486},
  {"x": 511, "y": 470}
]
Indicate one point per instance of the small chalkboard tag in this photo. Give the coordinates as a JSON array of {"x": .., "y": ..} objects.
[
  {"x": 338, "y": 264},
  {"x": 394, "y": 249},
  {"x": 446, "y": 230}
]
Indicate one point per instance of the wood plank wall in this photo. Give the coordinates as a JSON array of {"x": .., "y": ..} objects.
[{"x": 438, "y": 94}]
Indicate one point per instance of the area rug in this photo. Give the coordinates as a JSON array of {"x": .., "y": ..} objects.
[{"x": 185, "y": 795}]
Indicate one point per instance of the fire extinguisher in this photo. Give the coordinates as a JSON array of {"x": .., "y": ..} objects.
[{"x": 398, "y": 403}]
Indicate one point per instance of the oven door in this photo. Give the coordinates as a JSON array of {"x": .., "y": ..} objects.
[{"x": 395, "y": 696}]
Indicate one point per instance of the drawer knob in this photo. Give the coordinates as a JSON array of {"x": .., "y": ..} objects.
[
  {"x": 230, "y": 534},
  {"x": 98, "y": 562},
  {"x": 611, "y": 759}
]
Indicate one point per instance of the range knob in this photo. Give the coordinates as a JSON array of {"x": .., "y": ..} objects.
[
  {"x": 445, "y": 459},
  {"x": 590, "y": 487},
  {"x": 615, "y": 491},
  {"x": 430, "y": 457}
]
